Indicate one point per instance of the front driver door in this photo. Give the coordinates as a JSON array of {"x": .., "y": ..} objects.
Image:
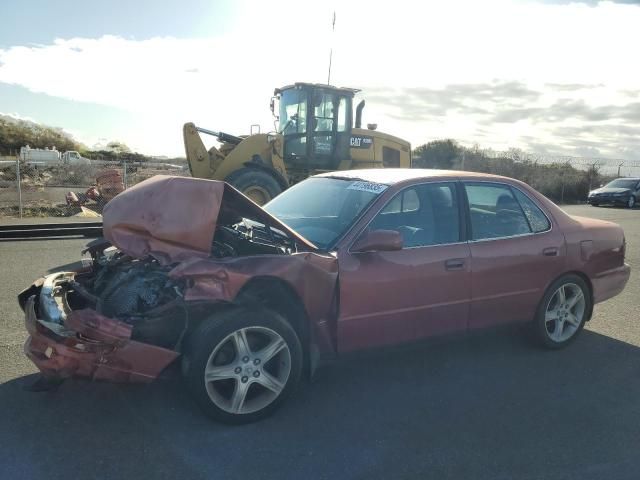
[{"x": 423, "y": 289}]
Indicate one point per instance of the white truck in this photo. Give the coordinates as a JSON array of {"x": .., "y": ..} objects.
[{"x": 49, "y": 157}]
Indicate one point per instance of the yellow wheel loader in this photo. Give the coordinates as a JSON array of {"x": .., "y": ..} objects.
[{"x": 316, "y": 133}]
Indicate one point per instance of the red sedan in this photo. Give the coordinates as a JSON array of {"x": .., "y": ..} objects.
[{"x": 252, "y": 298}]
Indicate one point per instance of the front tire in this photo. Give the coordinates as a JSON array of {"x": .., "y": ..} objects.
[
  {"x": 562, "y": 312},
  {"x": 242, "y": 364},
  {"x": 256, "y": 184}
]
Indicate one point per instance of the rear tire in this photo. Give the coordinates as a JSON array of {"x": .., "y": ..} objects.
[
  {"x": 563, "y": 311},
  {"x": 256, "y": 184},
  {"x": 242, "y": 364}
]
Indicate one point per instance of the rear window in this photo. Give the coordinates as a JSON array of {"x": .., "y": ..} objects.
[{"x": 537, "y": 219}]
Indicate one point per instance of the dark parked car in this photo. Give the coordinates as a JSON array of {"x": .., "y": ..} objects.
[
  {"x": 253, "y": 298},
  {"x": 621, "y": 191}
]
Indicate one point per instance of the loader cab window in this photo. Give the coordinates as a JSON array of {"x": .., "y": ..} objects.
[
  {"x": 324, "y": 109},
  {"x": 293, "y": 122},
  {"x": 323, "y": 112},
  {"x": 293, "y": 112}
]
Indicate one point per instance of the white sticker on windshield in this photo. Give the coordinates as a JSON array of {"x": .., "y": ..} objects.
[{"x": 368, "y": 187}]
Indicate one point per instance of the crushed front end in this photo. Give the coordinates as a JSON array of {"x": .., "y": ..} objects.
[
  {"x": 119, "y": 319},
  {"x": 126, "y": 315}
]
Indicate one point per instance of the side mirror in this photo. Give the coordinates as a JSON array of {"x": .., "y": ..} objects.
[
  {"x": 272, "y": 106},
  {"x": 378, "y": 241}
]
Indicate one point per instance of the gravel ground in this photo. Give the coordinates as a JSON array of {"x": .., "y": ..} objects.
[{"x": 481, "y": 406}]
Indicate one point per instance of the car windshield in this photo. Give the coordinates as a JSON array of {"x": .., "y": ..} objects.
[
  {"x": 622, "y": 183},
  {"x": 321, "y": 209}
]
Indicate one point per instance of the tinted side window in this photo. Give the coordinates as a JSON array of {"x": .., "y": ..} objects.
[
  {"x": 494, "y": 212},
  {"x": 538, "y": 220},
  {"x": 424, "y": 215}
]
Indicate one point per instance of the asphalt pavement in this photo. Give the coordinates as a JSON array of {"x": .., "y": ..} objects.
[{"x": 484, "y": 406}]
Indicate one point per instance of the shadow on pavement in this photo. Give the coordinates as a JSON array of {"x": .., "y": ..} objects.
[{"x": 487, "y": 405}]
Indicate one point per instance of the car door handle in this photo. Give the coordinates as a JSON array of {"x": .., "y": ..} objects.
[
  {"x": 454, "y": 264},
  {"x": 550, "y": 252}
]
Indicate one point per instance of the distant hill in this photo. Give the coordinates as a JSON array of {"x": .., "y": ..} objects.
[{"x": 16, "y": 133}]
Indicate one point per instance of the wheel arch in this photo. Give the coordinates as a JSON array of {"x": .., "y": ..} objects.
[
  {"x": 260, "y": 165},
  {"x": 198, "y": 312},
  {"x": 278, "y": 295}
]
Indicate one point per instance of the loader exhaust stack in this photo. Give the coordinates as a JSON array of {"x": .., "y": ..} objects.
[{"x": 359, "y": 114}]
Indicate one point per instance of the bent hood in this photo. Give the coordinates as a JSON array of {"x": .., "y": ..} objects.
[{"x": 174, "y": 218}]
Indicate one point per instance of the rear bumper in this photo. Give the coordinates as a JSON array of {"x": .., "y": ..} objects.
[
  {"x": 90, "y": 345},
  {"x": 610, "y": 283}
]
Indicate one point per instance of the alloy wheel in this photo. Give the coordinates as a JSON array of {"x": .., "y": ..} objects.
[
  {"x": 565, "y": 312},
  {"x": 247, "y": 370}
]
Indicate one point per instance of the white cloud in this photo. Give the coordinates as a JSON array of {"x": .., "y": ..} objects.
[
  {"x": 225, "y": 82},
  {"x": 15, "y": 117}
]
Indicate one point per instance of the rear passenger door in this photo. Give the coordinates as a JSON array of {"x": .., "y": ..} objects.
[{"x": 515, "y": 253}]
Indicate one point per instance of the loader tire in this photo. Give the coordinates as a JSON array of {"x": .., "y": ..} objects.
[{"x": 256, "y": 184}]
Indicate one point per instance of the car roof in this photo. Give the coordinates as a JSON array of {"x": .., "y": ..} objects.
[{"x": 391, "y": 176}]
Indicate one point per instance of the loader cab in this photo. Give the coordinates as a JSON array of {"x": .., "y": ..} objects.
[{"x": 315, "y": 121}]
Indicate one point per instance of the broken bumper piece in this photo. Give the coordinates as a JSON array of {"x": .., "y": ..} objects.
[{"x": 89, "y": 345}]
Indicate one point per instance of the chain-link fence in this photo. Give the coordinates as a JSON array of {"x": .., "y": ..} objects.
[{"x": 66, "y": 190}]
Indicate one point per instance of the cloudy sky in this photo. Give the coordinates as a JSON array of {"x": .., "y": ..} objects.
[{"x": 560, "y": 78}]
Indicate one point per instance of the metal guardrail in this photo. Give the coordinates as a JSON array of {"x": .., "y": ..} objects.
[{"x": 48, "y": 230}]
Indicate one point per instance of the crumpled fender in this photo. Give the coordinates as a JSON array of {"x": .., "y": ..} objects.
[{"x": 312, "y": 276}]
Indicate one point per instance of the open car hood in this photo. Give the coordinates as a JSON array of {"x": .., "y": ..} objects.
[{"x": 174, "y": 218}]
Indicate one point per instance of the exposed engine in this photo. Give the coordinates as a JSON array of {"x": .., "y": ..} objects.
[
  {"x": 249, "y": 239},
  {"x": 126, "y": 288},
  {"x": 132, "y": 288},
  {"x": 137, "y": 292}
]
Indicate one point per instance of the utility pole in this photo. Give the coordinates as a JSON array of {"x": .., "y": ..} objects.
[
  {"x": 333, "y": 29},
  {"x": 619, "y": 168}
]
